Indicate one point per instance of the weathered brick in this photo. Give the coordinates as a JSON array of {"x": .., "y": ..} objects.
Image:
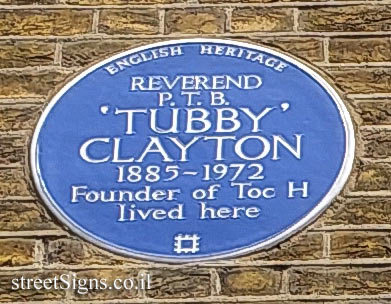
[
  {"x": 373, "y": 177},
  {"x": 284, "y": 301},
  {"x": 377, "y": 142},
  {"x": 195, "y": 21},
  {"x": 179, "y": 283},
  {"x": 362, "y": 80},
  {"x": 354, "y": 245},
  {"x": 75, "y": 251},
  {"x": 24, "y": 216},
  {"x": 106, "y": 294},
  {"x": 71, "y": 251},
  {"x": 247, "y": 20},
  {"x": 340, "y": 281},
  {"x": 378, "y": 301},
  {"x": 305, "y": 246},
  {"x": 121, "y": 2},
  {"x": 357, "y": 211},
  {"x": 234, "y": 1},
  {"x": 19, "y": 118},
  {"x": 349, "y": 18},
  {"x": 248, "y": 1},
  {"x": 195, "y": 282},
  {"x": 30, "y": 84},
  {"x": 128, "y": 21},
  {"x": 27, "y": 2},
  {"x": 13, "y": 182},
  {"x": 45, "y": 22},
  {"x": 17, "y": 252},
  {"x": 313, "y": 301},
  {"x": 246, "y": 281},
  {"x": 305, "y": 48},
  {"x": 359, "y": 49},
  {"x": 375, "y": 112},
  {"x": 7, "y": 294},
  {"x": 97, "y": 2},
  {"x": 22, "y": 54},
  {"x": 12, "y": 149},
  {"x": 82, "y": 53}
]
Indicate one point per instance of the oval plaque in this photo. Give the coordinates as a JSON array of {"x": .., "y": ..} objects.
[{"x": 192, "y": 149}]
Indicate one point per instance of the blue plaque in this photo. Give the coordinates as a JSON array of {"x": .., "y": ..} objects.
[{"x": 192, "y": 149}]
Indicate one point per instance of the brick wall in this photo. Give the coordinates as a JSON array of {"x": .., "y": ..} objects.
[{"x": 344, "y": 257}]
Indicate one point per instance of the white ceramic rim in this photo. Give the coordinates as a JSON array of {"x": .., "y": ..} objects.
[{"x": 311, "y": 216}]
